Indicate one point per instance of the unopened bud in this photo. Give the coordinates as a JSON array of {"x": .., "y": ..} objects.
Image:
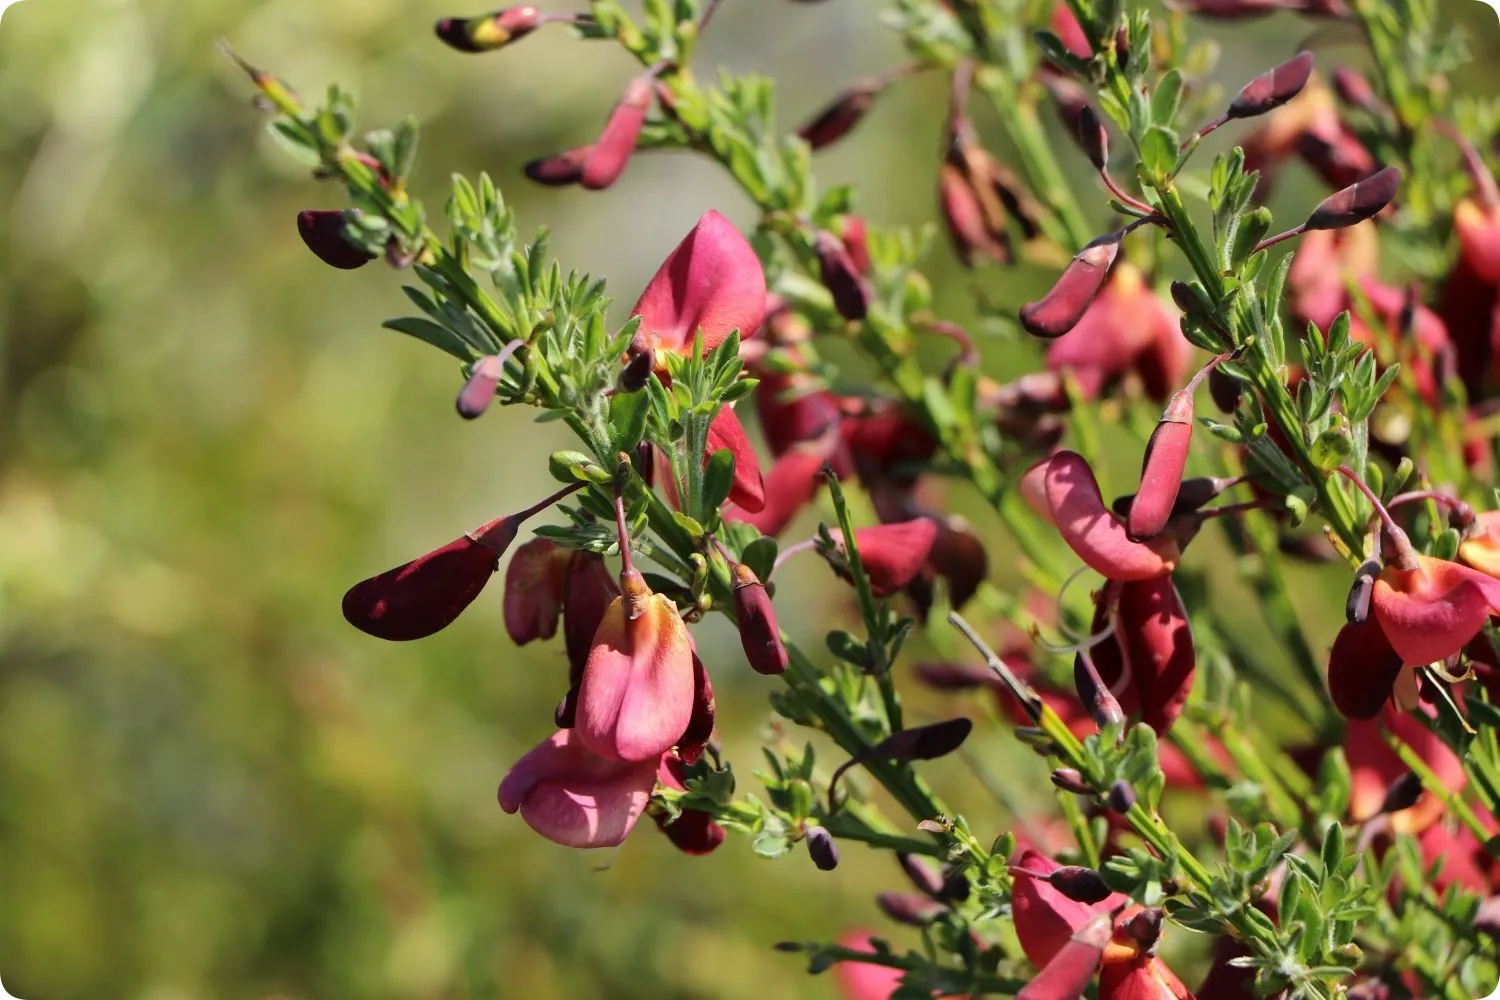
[
  {"x": 922, "y": 873},
  {"x": 1162, "y": 468},
  {"x": 1103, "y": 707},
  {"x": 637, "y": 371},
  {"x": 322, "y": 230},
  {"x": 1357, "y": 605},
  {"x": 1225, "y": 390},
  {"x": 479, "y": 391},
  {"x": 491, "y": 31},
  {"x": 1403, "y": 793},
  {"x": 938, "y": 739},
  {"x": 1070, "y": 780},
  {"x": 1145, "y": 928},
  {"x": 560, "y": 170},
  {"x": 1093, "y": 137},
  {"x": 955, "y": 676},
  {"x": 821, "y": 848},
  {"x": 1359, "y": 201},
  {"x": 609, "y": 156},
  {"x": 1063, "y": 306},
  {"x": 1082, "y": 885},
  {"x": 1355, "y": 91},
  {"x": 909, "y": 908},
  {"x": 839, "y": 118},
  {"x": 851, "y": 293},
  {"x": 1120, "y": 797},
  {"x": 1272, "y": 89},
  {"x": 760, "y": 636}
]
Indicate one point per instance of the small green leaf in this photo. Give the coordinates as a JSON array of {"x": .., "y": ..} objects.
[
  {"x": 429, "y": 332},
  {"x": 1331, "y": 450},
  {"x": 1158, "y": 154},
  {"x": 628, "y": 414},
  {"x": 718, "y": 477},
  {"x": 1167, "y": 98}
]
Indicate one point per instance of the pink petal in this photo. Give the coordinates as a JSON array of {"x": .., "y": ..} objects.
[
  {"x": 1153, "y": 637},
  {"x": 1432, "y": 613},
  {"x": 534, "y": 583},
  {"x": 711, "y": 280},
  {"x": 894, "y": 553},
  {"x": 792, "y": 483},
  {"x": 637, "y": 693},
  {"x": 863, "y": 980},
  {"x": 726, "y": 431},
  {"x": 1045, "y": 919},
  {"x": 1093, "y": 531},
  {"x": 574, "y": 798}
]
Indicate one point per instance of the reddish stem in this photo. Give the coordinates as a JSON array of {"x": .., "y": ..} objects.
[
  {"x": 1406, "y": 556},
  {"x": 1461, "y": 510}
]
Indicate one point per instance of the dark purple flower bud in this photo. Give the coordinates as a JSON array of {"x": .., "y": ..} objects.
[
  {"x": 1225, "y": 390},
  {"x": 1359, "y": 201},
  {"x": 1070, "y": 780},
  {"x": 1103, "y": 707},
  {"x": 1122, "y": 47},
  {"x": 1272, "y": 89},
  {"x": 1403, "y": 793},
  {"x": 479, "y": 391},
  {"x": 1355, "y": 91},
  {"x": 1162, "y": 468},
  {"x": 955, "y": 676},
  {"x": 1067, "y": 975},
  {"x": 693, "y": 832},
  {"x": 491, "y": 31},
  {"x": 760, "y": 636},
  {"x": 1120, "y": 797},
  {"x": 851, "y": 293},
  {"x": 637, "y": 371},
  {"x": 955, "y": 886},
  {"x": 821, "y": 848},
  {"x": 1093, "y": 137},
  {"x": 323, "y": 232},
  {"x": 928, "y": 742},
  {"x": 1145, "y": 929},
  {"x": 1082, "y": 885},
  {"x": 1357, "y": 605},
  {"x": 1063, "y": 306},
  {"x": 1070, "y": 100},
  {"x": 610, "y": 154},
  {"x": 839, "y": 118},
  {"x": 1193, "y": 495},
  {"x": 923, "y": 874},
  {"x": 560, "y": 170},
  {"x": 909, "y": 908}
]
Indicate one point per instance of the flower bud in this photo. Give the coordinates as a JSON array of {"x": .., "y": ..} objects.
[
  {"x": 1101, "y": 703},
  {"x": 821, "y": 848},
  {"x": 1093, "y": 137},
  {"x": 1161, "y": 469},
  {"x": 928, "y": 742},
  {"x": 479, "y": 391},
  {"x": 1355, "y": 91},
  {"x": 1360, "y": 201},
  {"x": 560, "y": 170},
  {"x": 955, "y": 676},
  {"x": 1082, "y": 885},
  {"x": 955, "y": 885},
  {"x": 909, "y": 908},
  {"x": 1272, "y": 89},
  {"x": 609, "y": 156},
  {"x": 1225, "y": 390},
  {"x": 1063, "y": 306},
  {"x": 322, "y": 230},
  {"x": 1070, "y": 780},
  {"x": 491, "y": 31},
  {"x": 839, "y": 118},
  {"x": 923, "y": 874},
  {"x": 1192, "y": 495},
  {"x": 851, "y": 293},
  {"x": 1145, "y": 928},
  {"x": 760, "y": 636},
  {"x": 1403, "y": 793},
  {"x": 856, "y": 239},
  {"x": 637, "y": 371},
  {"x": 1357, "y": 605},
  {"x": 1120, "y": 797}
]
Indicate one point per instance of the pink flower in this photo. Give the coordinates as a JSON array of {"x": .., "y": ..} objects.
[
  {"x": 1094, "y": 532},
  {"x": 864, "y": 980},
  {"x": 1148, "y": 661},
  {"x": 574, "y": 797},
  {"x": 1128, "y": 328},
  {"x": 534, "y": 584}
]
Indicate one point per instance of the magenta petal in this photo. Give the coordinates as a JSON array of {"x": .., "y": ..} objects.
[
  {"x": 711, "y": 280},
  {"x": 865, "y": 980},
  {"x": 574, "y": 798},
  {"x": 1093, "y": 531},
  {"x": 792, "y": 482},
  {"x": 1432, "y": 613},
  {"x": 748, "y": 491},
  {"x": 1045, "y": 919},
  {"x": 637, "y": 694}
]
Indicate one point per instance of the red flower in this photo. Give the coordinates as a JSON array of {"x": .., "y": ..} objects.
[
  {"x": 1093, "y": 531},
  {"x": 574, "y": 797},
  {"x": 693, "y": 831},
  {"x": 1373, "y": 766},
  {"x": 1148, "y": 661},
  {"x": 534, "y": 584},
  {"x": 1128, "y": 329},
  {"x": 893, "y": 554}
]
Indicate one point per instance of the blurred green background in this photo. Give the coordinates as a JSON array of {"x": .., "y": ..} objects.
[{"x": 210, "y": 786}]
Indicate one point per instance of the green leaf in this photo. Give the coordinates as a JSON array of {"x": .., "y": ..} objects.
[
  {"x": 1167, "y": 99},
  {"x": 628, "y": 413},
  {"x": 760, "y": 556},
  {"x": 718, "y": 477},
  {"x": 429, "y": 332},
  {"x": 1158, "y": 154}
]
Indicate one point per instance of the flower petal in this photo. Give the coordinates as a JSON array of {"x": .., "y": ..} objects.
[
  {"x": 534, "y": 583},
  {"x": 1045, "y": 919},
  {"x": 1431, "y": 613},
  {"x": 711, "y": 280},
  {"x": 637, "y": 693},
  {"x": 791, "y": 484},
  {"x": 1361, "y": 670},
  {"x": 1146, "y": 978},
  {"x": 1093, "y": 531},
  {"x": 726, "y": 431},
  {"x": 1068, "y": 973},
  {"x": 894, "y": 553},
  {"x": 1153, "y": 638},
  {"x": 1373, "y": 766},
  {"x": 865, "y": 980},
  {"x": 575, "y": 798}
]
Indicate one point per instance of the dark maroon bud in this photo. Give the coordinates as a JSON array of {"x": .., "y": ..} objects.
[
  {"x": 588, "y": 590},
  {"x": 479, "y": 391},
  {"x": 637, "y": 371},
  {"x": 1070, "y": 100},
  {"x": 1193, "y": 495},
  {"x": 839, "y": 118},
  {"x": 1070, "y": 780},
  {"x": 609, "y": 156},
  {"x": 1067, "y": 975},
  {"x": 1161, "y": 469},
  {"x": 1225, "y": 390},
  {"x": 1359, "y": 201},
  {"x": 760, "y": 636},
  {"x": 1145, "y": 929},
  {"x": 928, "y": 742},
  {"x": 1122, "y": 47},
  {"x": 560, "y": 170},
  {"x": 821, "y": 848},
  {"x": 955, "y": 676},
  {"x": 923, "y": 874},
  {"x": 693, "y": 832},
  {"x": 1082, "y": 885},
  {"x": 1355, "y": 91},
  {"x": 856, "y": 239},
  {"x": 1120, "y": 797},
  {"x": 323, "y": 232},
  {"x": 700, "y": 727},
  {"x": 909, "y": 908},
  {"x": 1357, "y": 605},
  {"x": 955, "y": 886},
  {"x": 1403, "y": 793},
  {"x": 1063, "y": 306},
  {"x": 1101, "y": 703},
  {"x": 851, "y": 293},
  {"x": 1093, "y": 137},
  {"x": 566, "y": 713},
  {"x": 481, "y": 34},
  {"x": 1487, "y": 919},
  {"x": 1272, "y": 89}
]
